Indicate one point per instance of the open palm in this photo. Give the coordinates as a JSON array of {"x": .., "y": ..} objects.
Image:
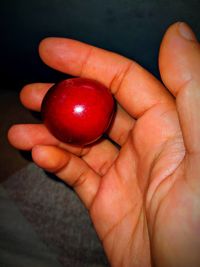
[{"x": 143, "y": 195}]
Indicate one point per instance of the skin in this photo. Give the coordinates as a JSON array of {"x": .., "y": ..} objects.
[{"x": 144, "y": 196}]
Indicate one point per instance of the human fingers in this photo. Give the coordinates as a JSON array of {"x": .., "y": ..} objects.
[
  {"x": 180, "y": 71},
  {"x": 70, "y": 168},
  {"x": 32, "y": 95},
  {"x": 99, "y": 156},
  {"x": 179, "y": 57},
  {"x": 135, "y": 89},
  {"x": 185, "y": 85}
]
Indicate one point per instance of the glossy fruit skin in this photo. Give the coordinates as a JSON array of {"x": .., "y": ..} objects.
[{"x": 78, "y": 110}]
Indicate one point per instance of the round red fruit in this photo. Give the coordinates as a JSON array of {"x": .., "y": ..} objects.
[{"x": 78, "y": 110}]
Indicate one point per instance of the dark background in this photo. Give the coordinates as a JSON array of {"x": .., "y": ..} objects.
[{"x": 133, "y": 28}]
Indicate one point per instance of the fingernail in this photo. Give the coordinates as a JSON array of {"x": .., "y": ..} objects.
[{"x": 186, "y": 32}]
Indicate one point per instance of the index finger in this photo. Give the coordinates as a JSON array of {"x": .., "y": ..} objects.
[{"x": 134, "y": 87}]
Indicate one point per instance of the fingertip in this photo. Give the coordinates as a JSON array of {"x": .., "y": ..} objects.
[
  {"x": 44, "y": 48},
  {"x": 25, "y": 94},
  {"x": 186, "y": 32},
  {"x": 50, "y": 158},
  {"x": 171, "y": 31},
  {"x": 63, "y": 54},
  {"x": 18, "y": 138},
  {"x": 178, "y": 29},
  {"x": 40, "y": 155},
  {"x": 44, "y": 43},
  {"x": 26, "y": 136},
  {"x": 48, "y": 44},
  {"x": 31, "y": 95},
  {"x": 172, "y": 27},
  {"x": 48, "y": 41},
  {"x": 179, "y": 56},
  {"x": 10, "y": 134}
]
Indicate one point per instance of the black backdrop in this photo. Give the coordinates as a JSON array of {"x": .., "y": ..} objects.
[{"x": 133, "y": 28}]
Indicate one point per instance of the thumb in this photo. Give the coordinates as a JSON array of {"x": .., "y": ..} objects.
[
  {"x": 179, "y": 62},
  {"x": 179, "y": 57},
  {"x": 180, "y": 70}
]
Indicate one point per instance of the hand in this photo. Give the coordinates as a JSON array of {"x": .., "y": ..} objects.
[{"x": 143, "y": 198}]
